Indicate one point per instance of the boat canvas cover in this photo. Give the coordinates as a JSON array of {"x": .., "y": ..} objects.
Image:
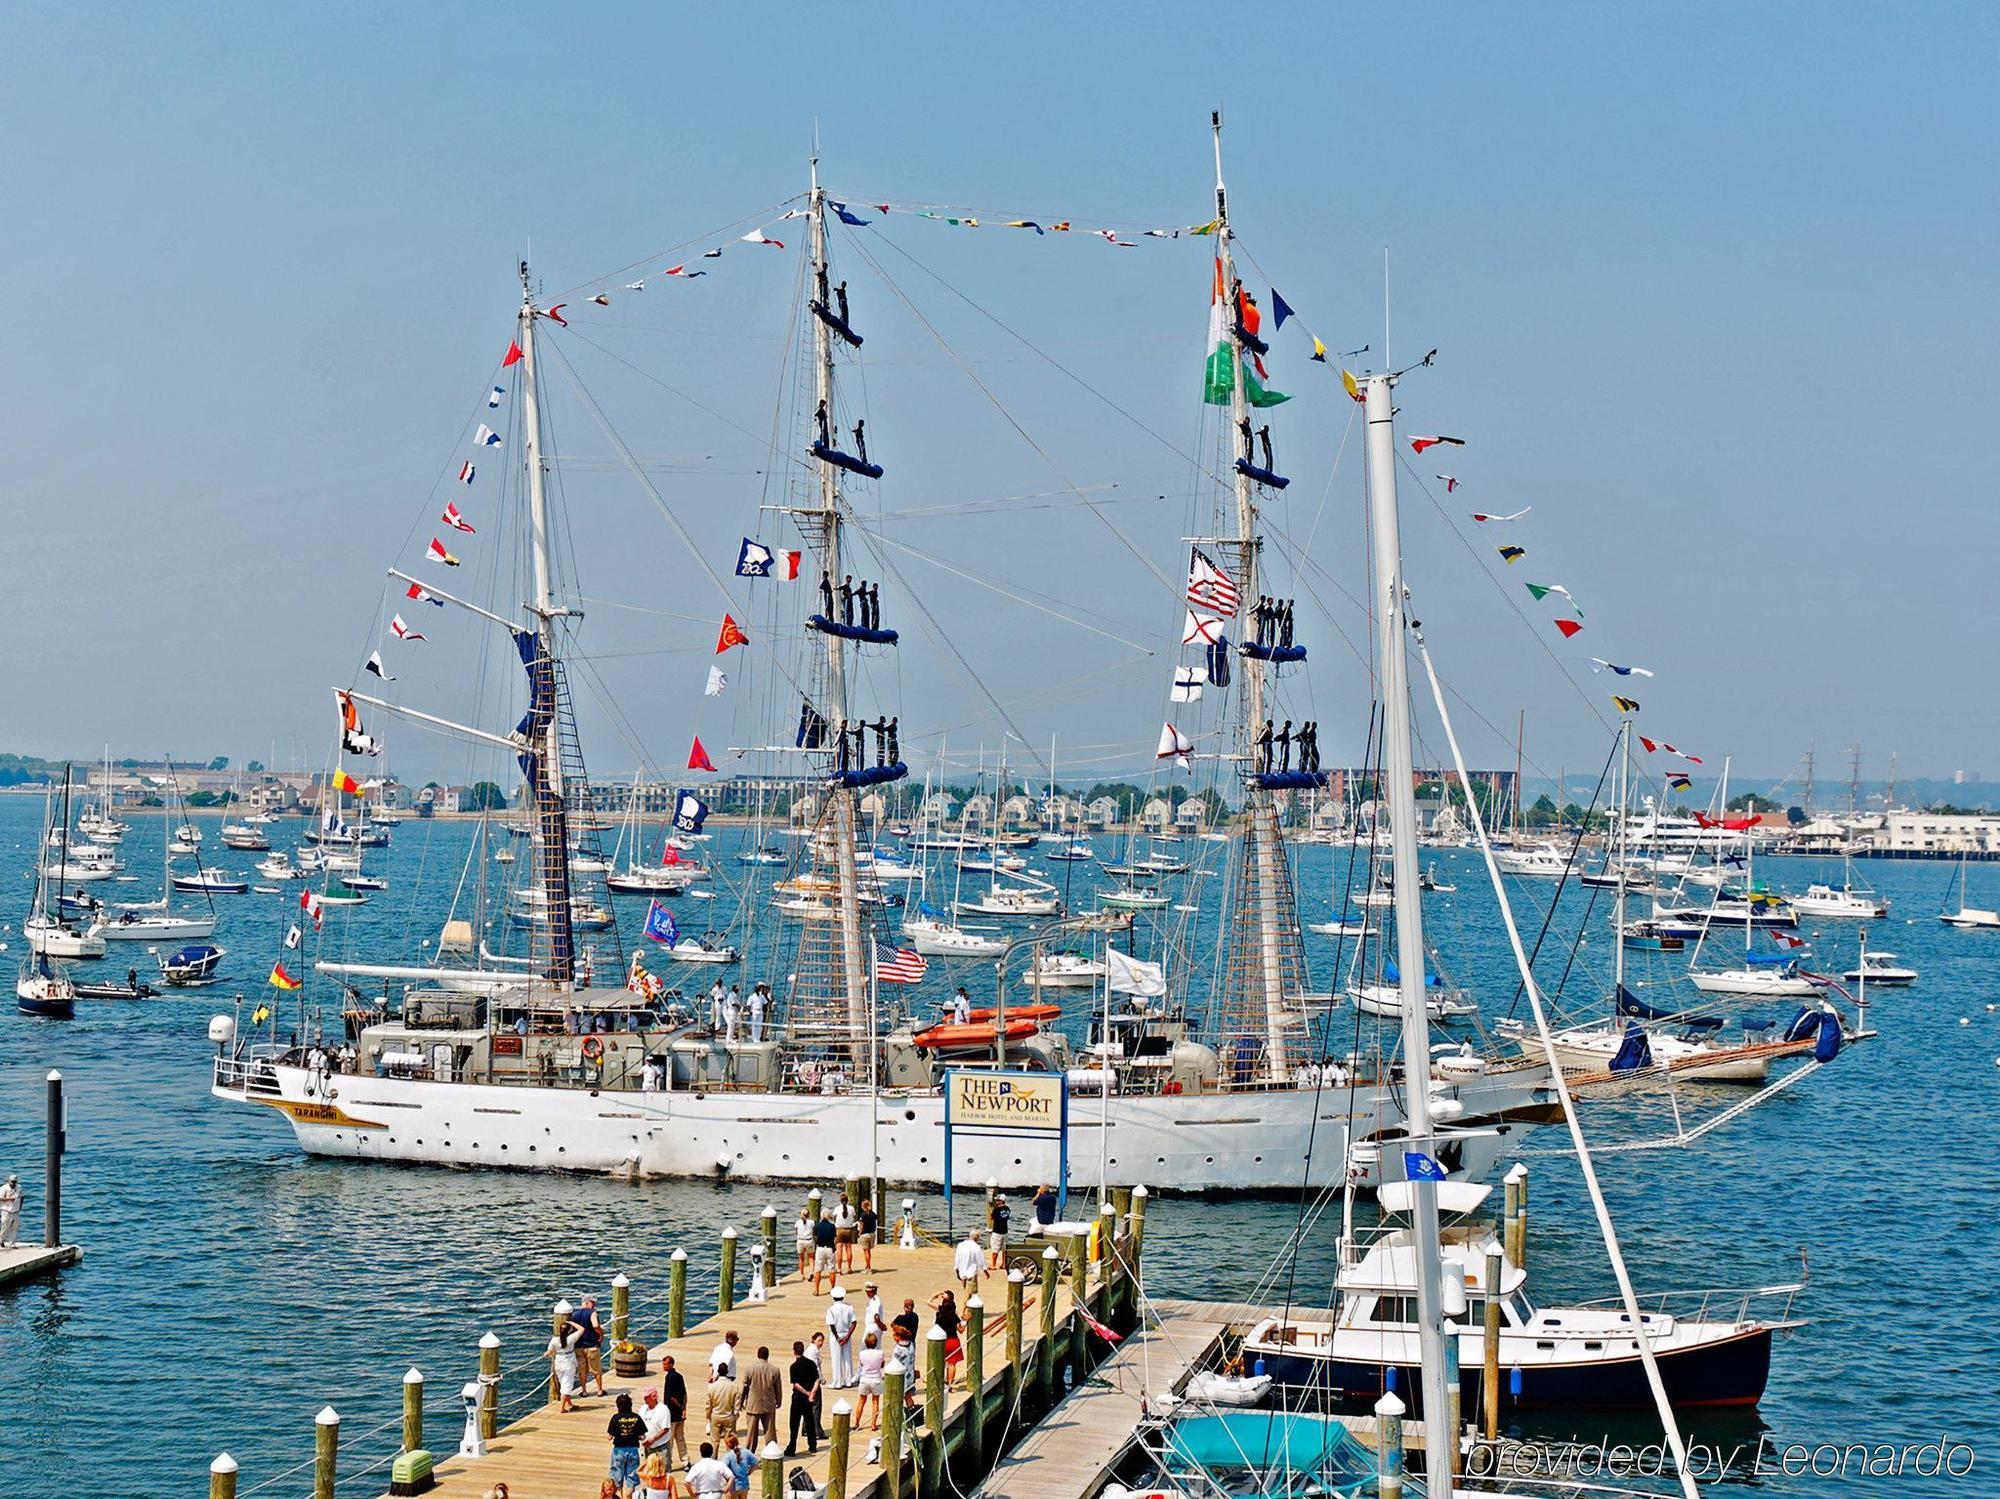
[
  {"x": 1630, "y": 1004},
  {"x": 1265, "y": 1440}
]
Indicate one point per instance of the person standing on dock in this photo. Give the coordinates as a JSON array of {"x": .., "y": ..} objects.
[
  {"x": 626, "y": 1429},
  {"x": 10, "y": 1212},
  {"x": 709, "y": 1476},
  {"x": 741, "y": 1463},
  {"x": 968, "y": 1263},
  {"x": 873, "y": 1361},
  {"x": 674, "y": 1395},
  {"x": 804, "y": 1375},
  {"x": 763, "y": 1391},
  {"x": 803, "y": 1232},
  {"x": 846, "y": 1234},
  {"x": 840, "y": 1324},
  {"x": 1045, "y": 1207},
  {"x": 589, "y": 1346},
  {"x": 723, "y": 1358},
  {"x": 870, "y": 1226},
  {"x": 561, "y": 1354},
  {"x": 824, "y": 1238},
  {"x": 721, "y": 1411},
  {"x": 997, "y": 1219}
]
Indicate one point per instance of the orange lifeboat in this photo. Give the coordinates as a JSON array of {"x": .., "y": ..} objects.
[
  {"x": 1020, "y": 1012},
  {"x": 953, "y": 1037}
]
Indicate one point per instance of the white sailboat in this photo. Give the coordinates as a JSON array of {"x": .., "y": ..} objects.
[{"x": 1969, "y": 918}]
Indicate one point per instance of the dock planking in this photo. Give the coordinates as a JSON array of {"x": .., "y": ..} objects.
[
  {"x": 26, "y": 1260},
  {"x": 547, "y": 1452}
]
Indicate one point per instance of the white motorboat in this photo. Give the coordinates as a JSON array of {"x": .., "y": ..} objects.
[
  {"x": 1076, "y": 852},
  {"x": 1339, "y": 928},
  {"x": 762, "y": 854},
  {"x": 504, "y": 856},
  {"x": 1000, "y": 861},
  {"x": 51, "y": 937},
  {"x": 1543, "y": 861},
  {"x": 1062, "y": 970},
  {"x": 1839, "y": 905},
  {"x": 1879, "y": 969},
  {"x": 707, "y": 948},
  {"x": 244, "y": 838},
  {"x": 1011, "y": 902},
  {"x": 211, "y": 882},
  {"x": 279, "y": 866},
  {"x": 1131, "y": 897},
  {"x": 364, "y": 882},
  {"x": 1213, "y": 1387}
]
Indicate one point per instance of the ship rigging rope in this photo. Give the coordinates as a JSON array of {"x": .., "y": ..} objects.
[{"x": 756, "y": 220}]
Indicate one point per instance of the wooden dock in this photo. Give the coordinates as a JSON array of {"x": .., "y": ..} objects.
[{"x": 25, "y": 1260}]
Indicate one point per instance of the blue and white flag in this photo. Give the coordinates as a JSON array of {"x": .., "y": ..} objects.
[
  {"x": 493, "y": 400},
  {"x": 690, "y": 811},
  {"x": 660, "y": 924},
  {"x": 754, "y": 561},
  {"x": 842, "y": 212},
  {"x": 485, "y": 437},
  {"x": 1419, "y": 1167}
]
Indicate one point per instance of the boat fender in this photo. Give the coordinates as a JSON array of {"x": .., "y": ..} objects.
[{"x": 593, "y": 1048}]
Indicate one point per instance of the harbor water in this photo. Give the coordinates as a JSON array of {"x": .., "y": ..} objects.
[{"x": 232, "y": 1286}]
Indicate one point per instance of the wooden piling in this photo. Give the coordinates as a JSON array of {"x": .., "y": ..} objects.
[
  {"x": 1121, "y": 1204},
  {"x": 975, "y": 1381},
  {"x": 677, "y": 1295},
  {"x": 326, "y": 1451},
  {"x": 559, "y": 1319},
  {"x": 769, "y": 1218},
  {"x": 1016, "y": 1297},
  {"x": 1490, "y": 1391},
  {"x": 1079, "y": 1288},
  {"x": 1137, "y": 1232},
  {"x": 1515, "y": 1237},
  {"x": 894, "y": 1392},
  {"x": 771, "y": 1471},
  {"x": 1389, "y": 1445},
  {"x": 934, "y": 1403},
  {"x": 725, "y": 1292},
  {"x": 56, "y": 1141},
  {"x": 489, "y": 1387},
  {"x": 621, "y": 1308},
  {"x": 222, "y": 1477},
  {"x": 842, "y": 1433},
  {"x": 413, "y": 1410},
  {"x": 1045, "y": 1345}
]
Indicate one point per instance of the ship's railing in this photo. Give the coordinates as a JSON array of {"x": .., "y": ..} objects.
[
  {"x": 1733, "y": 1305},
  {"x": 249, "y": 1075}
]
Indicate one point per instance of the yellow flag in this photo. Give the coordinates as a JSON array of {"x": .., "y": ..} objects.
[{"x": 1347, "y": 379}]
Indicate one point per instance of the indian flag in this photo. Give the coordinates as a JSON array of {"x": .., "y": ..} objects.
[{"x": 1219, "y": 380}]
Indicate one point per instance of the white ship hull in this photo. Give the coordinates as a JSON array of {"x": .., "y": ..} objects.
[{"x": 1255, "y": 1142}]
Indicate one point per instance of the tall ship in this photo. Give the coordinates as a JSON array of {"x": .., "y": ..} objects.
[{"x": 566, "y": 1057}]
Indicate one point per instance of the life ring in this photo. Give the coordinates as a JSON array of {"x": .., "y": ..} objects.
[{"x": 593, "y": 1048}]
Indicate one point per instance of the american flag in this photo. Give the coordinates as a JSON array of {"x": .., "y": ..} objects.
[
  {"x": 1209, "y": 588},
  {"x": 900, "y": 965}
]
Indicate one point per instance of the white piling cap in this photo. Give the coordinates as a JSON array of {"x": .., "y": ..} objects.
[
  {"x": 679, "y": 1254},
  {"x": 55, "y": 1076},
  {"x": 620, "y": 1281},
  {"x": 909, "y": 1204},
  {"x": 1519, "y": 1172},
  {"x": 769, "y": 1212},
  {"x": 992, "y": 1183},
  {"x": 413, "y": 1375},
  {"x": 562, "y": 1308},
  {"x": 936, "y": 1334},
  {"x": 842, "y": 1408},
  {"x": 1140, "y": 1191},
  {"x": 489, "y": 1341},
  {"x": 1389, "y": 1405},
  {"x": 772, "y": 1453},
  {"x": 1105, "y": 1207},
  {"x": 1017, "y": 1275},
  {"x": 729, "y": 1232},
  {"x": 895, "y": 1367},
  {"x": 223, "y": 1463},
  {"x": 327, "y": 1416},
  {"x": 814, "y": 1195},
  {"x": 1050, "y": 1253},
  {"x": 972, "y": 1301}
]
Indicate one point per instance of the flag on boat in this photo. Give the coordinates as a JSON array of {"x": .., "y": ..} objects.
[
  {"x": 342, "y": 781},
  {"x": 1569, "y": 627},
  {"x": 261, "y": 1014},
  {"x": 466, "y": 472},
  {"x": 1482, "y": 517},
  {"x": 1280, "y": 310},
  {"x": 1451, "y": 482},
  {"x": 899, "y": 965},
  {"x": 350, "y": 717},
  {"x": 1419, "y": 1166},
  {"x": 1625, "y": 704},
  {"x": 1431, "y": 440},
  {"x": 485, "y": 437},
  {"x": 423, "y": 595},
  {"x": 1679, "y": 780},
  {"x": 1212, "y": 598},
  {"x": 1661, "y": 744},
  {"x": 1187, "y": 684},
  {"x": 402, "y": 631},
  {"x": 313, "y": 906},
  {"x": 1543, "y": 590},
  {"x": 554, "y": 314},
  {"x": 690, "y": 811},
  {"x": 842, "y": 213},
  {"x": 361, "y": 744},
  {"x": 1726, "y": 824},
  {"x": 1598, "y": 663},
  {"x": 1219, "y": 378},
  {"x": 669, "y": 856},
  {"x": 732, "y": 635},
  {"x": 1097, "y": 1328},
  {"x": 1511, "y": 555},
  {"x": 698, "y": 757},
  {"x": 716, "y": 682},
  {"x": 514, "y": 355},
  {"x": 753, "y": 560},
  {"x": 660, "y": 924},
  {"x": 1784, "y": 940},
  {"x": 786, "y": 567},
  {"x": 601, "y": 300},
  {"x": 759, "y": 237},
  {"x": 1174, "y": 745},
  {"x": 1319, "y": 357},
  {"x": 493, "y": 396},
  {"x": 438, "y": 553},
  {"x": 1128, "y": 975},
  {"x": 455, "y": 518},
  {"x": 295, "y": 936}
]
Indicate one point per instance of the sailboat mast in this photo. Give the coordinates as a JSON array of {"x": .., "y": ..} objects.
[
  {"x": 1260, "y": 841},
  {"x": 1624, "y": 853},
  {"x": 1398, "y": 763}
]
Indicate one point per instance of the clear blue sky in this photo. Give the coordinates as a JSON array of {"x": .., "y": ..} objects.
[{"x": 1713, "y": 285}]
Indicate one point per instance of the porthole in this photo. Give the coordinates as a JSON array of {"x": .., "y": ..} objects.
[{"x": 909, "y": 1116}]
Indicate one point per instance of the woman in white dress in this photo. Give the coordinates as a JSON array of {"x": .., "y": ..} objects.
[
  {"x": 872, "y": 1360},
  {"x": 561, "y": 1354}
]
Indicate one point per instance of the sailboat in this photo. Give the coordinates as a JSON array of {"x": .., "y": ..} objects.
[
  {"x": 50, "y": 932},
  {"x": 157, "y": 921},
  {"x": 1969, "y": 918}
]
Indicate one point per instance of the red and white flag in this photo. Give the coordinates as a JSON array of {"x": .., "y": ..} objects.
[
  {"x": 438, "y": 553},
  {"x": 759, "y": 237},
  {"x": 310, "y": 903},
  {"x": 900, "y": 965},
  {"x": 402, "y": 631},
  {"x": 466, "y": 471},
  {"x": 1212, "y": 599},
  {"x": 1174, "y": 745},
  {"x": 1418, "y": 444},
  {"x": 786, "y": 567},
  {"x": 554, "y": 314},
  {"x": 423, "y": 595},
  {"x": 456, "y": 521},
  {"x": 1483, "y": 518},
  {"x": 1451, "y": 482}
]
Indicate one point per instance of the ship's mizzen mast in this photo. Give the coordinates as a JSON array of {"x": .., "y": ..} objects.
[{"x": 1266, "y": 962}]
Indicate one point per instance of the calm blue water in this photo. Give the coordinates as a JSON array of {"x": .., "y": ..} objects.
[{"x": 232, "y": 1286}]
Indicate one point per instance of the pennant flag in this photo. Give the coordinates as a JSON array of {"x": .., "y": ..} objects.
[
  {"x": 485, "y": 437},
  {"x": 1219, "y": 377},
  {"x": 660, "y": 924},
  {"x": 601, "y": 300},
  {"x": 261, "y": 1014},
  {"x": 716, "y": 682},
  {"x": 1026, "y": 224},
  {"x": 1319, "y": 357},
  {"x": 1174, "y": 745},
  {"x": 841, "y": 212},
  {"x": 402, "y": 631},
  {"x": 639, "y": 285},
  {"x": 280, "y": 979},
  {"x": 310, "y": 903},
  {"x": 1450, "y": 482},
  {"x": 554, "y": 314},
  {"x": 1209, "y": 228},
  {"x": 455, "y": 520},
  {"x": 716, "y": 254},
  {"x": 1625, "y": 704},
  {"x": 690, "y": 811},
  {"x": 1110, "y": 237},
  {"x": 437, "y": 553},
  {"x": 361, "y": 744},
  {"x": 1418, "y": 444},
  {"x": 466, "y": 471},
  {"x": 753, "y": 560},
  {"x": 1726, "y": 824},
  {"x": 698, "y": 757},
  {"x": 374, "y": 666},
  {"x": 1513, "y": 554},
  {"x": 1099, "y": 1330},
  {"x": 1569, "y": 627},
  {"x": 1483, "y": 518},
  {"x": 1419, "y": 1167},
  {"x": 294, "y": 937},
  {"x": 424, "y": 596},
  {"x": 350, "y": 719},
  {"x": 514, "y": 355},
  {"x": 493, "y": 396},
  {"x": 1187, "y": 684},
  {"x": 732, "y": 634},
  {"x": 1279, "y": 310},
  {"x": 1679, "y": 780},
  {"x": 683, "y": 272},
  {"x": 342, "y": 781},
  {"x": 1543, "y": 590},
  {"x": 900, "y": 965},
  {"x": 787, "y": 568},
  {"x": 1785, "y": 941},
  {"x": 1598, "y": 663},
  {"x": 1661, "y": 744},
  {"x": 759, "y": 237}
]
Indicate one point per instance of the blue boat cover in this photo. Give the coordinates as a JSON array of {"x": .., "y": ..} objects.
[
  {"x": 1630, "y": 1004},
  {"x": 1636, "y": 1052},
  {"x": 835, "y": 321},
  {"x": 1288, "y": 780},
  {"x": 847, "y": 461},
  {"x": 1767, "y": 959},
  {"x": 850, "y": 632},
  {"x": 872, "y": 775},
  {"x": 1278, "y": 653},
  {"x": 1395, "y": 976},
  {"x": 1262, "y": 476},
  {"x": 1295, "y": 1441},
  {"x": 1829, "y": 1038}
]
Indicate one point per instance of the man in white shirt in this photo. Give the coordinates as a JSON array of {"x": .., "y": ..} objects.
[
  {"x": 723, "y": 1359},
  {"x": 961, "y": 1007},
  {"x": 874, "y": 1318},
  {"x": 708, "y": 1476},
  {"x": 840, "y": 1324},
  {"x": 10, "y": 1212},
  {"x": 756, "y": 1009},
  {"x": 968, "y": 1261},
  {"x": 732, "y": 1006}
]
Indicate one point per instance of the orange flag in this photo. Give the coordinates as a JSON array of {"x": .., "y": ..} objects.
[
  {"x": 342, "y": 781},
  {"x": 732, "y": 634},
  {"x": 698, "y": 757}
]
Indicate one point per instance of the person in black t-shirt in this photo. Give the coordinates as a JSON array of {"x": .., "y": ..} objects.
[
  {"x": 804, "y": 1377},
  {"x": 825, "y": 1235},
  {"x": 627, "y": 1429},
  {"x": 869, "y": 1224}
]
